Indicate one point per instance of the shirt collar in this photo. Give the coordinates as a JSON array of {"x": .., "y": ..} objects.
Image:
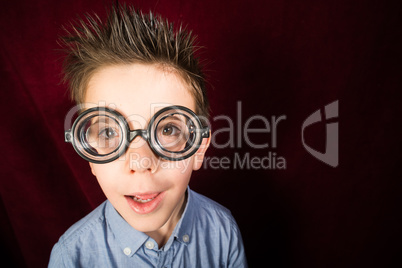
[{"x": 129, "y": 237}]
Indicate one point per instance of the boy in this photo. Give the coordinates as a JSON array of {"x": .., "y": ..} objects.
[{"x": 142, "y": 127}]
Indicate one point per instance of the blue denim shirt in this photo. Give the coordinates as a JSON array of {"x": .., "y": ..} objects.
[{"x": 206, "y": 236}]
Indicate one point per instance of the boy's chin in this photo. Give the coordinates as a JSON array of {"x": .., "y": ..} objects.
[{"x": 149, "y": 223}]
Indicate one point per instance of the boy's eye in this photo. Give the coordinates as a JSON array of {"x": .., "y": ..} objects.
[
  {"x": 170, "y": 130},
  {"x": 103, "y": 137},
  {"x": 108, "y": 133}
]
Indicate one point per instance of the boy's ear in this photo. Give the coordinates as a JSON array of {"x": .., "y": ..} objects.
[
  {"x": 199, "y": 155},
  {"x": 92, "y": 168}
]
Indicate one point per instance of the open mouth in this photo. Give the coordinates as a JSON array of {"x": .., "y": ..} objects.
[
  {"x": 144, "y": 199},
  {"x": 144, "y": 203}
]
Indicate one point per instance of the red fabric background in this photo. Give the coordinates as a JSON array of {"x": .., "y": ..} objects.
[{"x": 277, "y": 57}]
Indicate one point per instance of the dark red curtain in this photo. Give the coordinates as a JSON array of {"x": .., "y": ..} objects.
[{"x": 276, "y": 58}]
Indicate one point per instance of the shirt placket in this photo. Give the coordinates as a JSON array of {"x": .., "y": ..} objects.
[{"x": 166, "y": 258}]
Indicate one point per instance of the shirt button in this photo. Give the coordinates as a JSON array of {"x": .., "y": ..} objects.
[
  {"x": 127, "y": 251},
  {"x": 149, "y": 245},
  {"x": 186, "y": 238}
]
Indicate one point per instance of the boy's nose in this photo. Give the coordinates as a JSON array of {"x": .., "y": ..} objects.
[{"x": 141, "y": 157}]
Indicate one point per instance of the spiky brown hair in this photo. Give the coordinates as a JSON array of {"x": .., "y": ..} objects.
[{"x": 129, "y": 36}]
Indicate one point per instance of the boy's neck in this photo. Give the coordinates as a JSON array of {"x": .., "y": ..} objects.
[{"x": 161, "y": 236}]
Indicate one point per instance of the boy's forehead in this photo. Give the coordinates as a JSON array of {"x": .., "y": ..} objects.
[{"x": 137, "y": 89}]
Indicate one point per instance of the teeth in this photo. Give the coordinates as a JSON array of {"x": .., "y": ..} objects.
[{"x": 142, "y": 201}]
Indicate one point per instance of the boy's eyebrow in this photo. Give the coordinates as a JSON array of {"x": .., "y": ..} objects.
[{"x": 100, "y": 119}]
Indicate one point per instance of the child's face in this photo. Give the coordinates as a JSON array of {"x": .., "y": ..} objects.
[{"x": 134, "y": 91}]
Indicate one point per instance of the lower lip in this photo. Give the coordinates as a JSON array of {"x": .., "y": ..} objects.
[{"x": 145, "y": 208}]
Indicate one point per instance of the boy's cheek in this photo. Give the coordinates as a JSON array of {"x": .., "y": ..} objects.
[{"x": 99, "y": 169}]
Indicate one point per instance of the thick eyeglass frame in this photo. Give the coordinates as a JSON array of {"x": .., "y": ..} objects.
[{"x": 204, "y": 131}]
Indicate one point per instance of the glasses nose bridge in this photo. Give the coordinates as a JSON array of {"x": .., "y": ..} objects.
[{"x": 138, "y": 132}]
